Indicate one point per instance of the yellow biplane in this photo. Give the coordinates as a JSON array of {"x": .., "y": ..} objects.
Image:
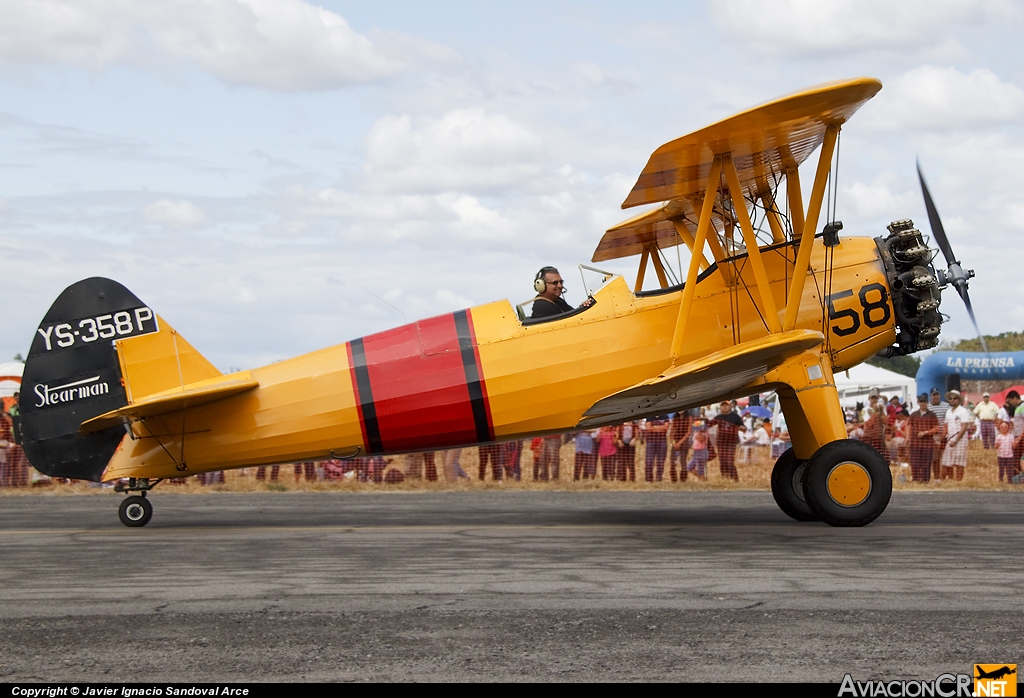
[{"x": 112, "y": 391}]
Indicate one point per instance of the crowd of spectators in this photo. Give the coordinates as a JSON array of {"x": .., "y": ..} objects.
[
  {"x": 933, "y": 440},
  {"x": 15, "y": 470}
]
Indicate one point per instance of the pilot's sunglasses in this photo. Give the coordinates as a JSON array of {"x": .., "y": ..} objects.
[{"x": 555, "y": 283}]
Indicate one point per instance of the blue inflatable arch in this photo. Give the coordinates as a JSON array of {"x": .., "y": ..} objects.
[{"x": 945, "y": 369}]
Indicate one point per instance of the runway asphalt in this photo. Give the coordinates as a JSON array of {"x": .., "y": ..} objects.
[{"x": 565, "y": 586}]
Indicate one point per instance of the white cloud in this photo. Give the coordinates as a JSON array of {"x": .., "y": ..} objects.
[
  {"x": 593, "y": 76},
  {"x": 329, "y": 202},
  {"x": 476, "y": 221},
  {"x": 794, "y": 27},
  {"x": 175, "y": 214},
  {"x": 285, "y": 45},
  {"x": 466, "y": 149},
  {"x": 452, "y": 299},
  {"x": 943, "y": 98},
  {"x": 245, "y": 295},
  {"x": 877, "y": 201}
]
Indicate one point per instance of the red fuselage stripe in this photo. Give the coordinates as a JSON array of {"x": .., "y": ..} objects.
[{"x": 421, "y": 386}]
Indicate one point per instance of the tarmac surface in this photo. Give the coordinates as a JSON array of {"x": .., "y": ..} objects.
[{"x": 484, "y": 586}]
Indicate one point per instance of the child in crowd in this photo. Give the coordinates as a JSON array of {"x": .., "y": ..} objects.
[
  {"x": 699, "y": 460},
  {"x": 780, "y": 443},
  {"x": 1004, "y": 452}
]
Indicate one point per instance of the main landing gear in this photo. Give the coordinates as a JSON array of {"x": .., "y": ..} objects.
[
  {"x": 136, "y": 510},
  {"x": 844, "y": 483}
]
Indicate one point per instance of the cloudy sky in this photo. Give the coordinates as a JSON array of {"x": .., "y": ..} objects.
[{"x": 275, "y": 176}]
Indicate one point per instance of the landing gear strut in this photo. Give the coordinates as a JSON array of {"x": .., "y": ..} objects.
[{"x": 136, "y": 510}]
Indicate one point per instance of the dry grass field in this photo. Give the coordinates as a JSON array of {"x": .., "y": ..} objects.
[{"x": 754, "y": 473}]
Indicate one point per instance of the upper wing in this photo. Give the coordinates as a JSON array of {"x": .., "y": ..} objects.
[
  {"x": 764, "y": 142},
  {"x": 698, "y": 382}
]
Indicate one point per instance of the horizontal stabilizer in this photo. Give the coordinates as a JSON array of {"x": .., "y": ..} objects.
[
  {"x": 698, "y": 382},
  {"x": 173, "y": 400}
]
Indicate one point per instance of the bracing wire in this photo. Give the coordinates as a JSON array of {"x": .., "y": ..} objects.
[
  {"x": 668, "y": 267},
  {"x": 830, "y": 251}
]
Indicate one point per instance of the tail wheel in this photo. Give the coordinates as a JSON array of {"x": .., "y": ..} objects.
[
  {"x": 788, "y": 487},
  {"x": 135, "y": 511},
  {"x": 847, "y": 483}
]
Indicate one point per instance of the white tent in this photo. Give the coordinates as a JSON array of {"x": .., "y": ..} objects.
[
  {"x": 855, "y": 384},
  {"x": 10, "y": 378}
]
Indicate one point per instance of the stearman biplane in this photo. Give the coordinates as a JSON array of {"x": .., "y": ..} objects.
[{"x": 111, "y": 391}]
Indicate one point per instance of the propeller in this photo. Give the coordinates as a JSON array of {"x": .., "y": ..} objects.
[{"x": 955, "y": 275}]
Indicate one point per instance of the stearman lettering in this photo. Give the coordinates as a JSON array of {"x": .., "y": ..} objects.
[{"x": 70, "y": 392}]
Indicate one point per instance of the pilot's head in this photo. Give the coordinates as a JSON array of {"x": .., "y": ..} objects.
[{"x": 548, "y": 283}]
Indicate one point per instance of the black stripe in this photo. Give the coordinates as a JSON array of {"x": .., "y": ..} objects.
[
  {"x": 476, "y": 391},
  {"x": 366, "y": 404}
]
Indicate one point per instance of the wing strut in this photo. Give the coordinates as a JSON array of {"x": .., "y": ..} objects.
[
  {"x": 703, "y": 225},
  {"x": 687, "y": 237},
  {"x": 724, "y": 163},
  {"x": 772, "y": 214},
  {"x": 642, "y": 271},
  {"x": 810, "y": 224},
  {"x": 650, "y": 253},
  {"x": 796, "y": 200},
  {"x": 739, "y": 206}
]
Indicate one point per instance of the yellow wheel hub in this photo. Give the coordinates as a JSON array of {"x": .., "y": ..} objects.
[{"x": 849, "y": 484}]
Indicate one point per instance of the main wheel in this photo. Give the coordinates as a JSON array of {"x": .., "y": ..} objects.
[
  {"x": 847, "y": 483},
  {"x": 135, "y": 511},
  {"x": 788, "y": 487}
]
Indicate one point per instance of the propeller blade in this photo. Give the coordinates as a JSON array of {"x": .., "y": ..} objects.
[
  {"x": 938, "y": 232},
  {"x": 955, "y": 275},
  {"x": 970, "y": 311}
]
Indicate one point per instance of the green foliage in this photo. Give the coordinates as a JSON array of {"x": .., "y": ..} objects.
[
  {"x": 1007, "y": 341},
  {"x": 903, "y": 365}
]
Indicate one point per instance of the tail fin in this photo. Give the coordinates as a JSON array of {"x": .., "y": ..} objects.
[{"x": 98, "y": 349}]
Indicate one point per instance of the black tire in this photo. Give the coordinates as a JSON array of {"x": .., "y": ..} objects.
[
  {"x": 847, "y": 483},
  {"x": 788, "y": 487},
  {"x": 135, "y": 511}
]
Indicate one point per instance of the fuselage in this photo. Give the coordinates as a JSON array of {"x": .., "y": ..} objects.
[{"x": 483, "y": 375}]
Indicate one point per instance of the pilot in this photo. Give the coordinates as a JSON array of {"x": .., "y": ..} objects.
[{"x": 550, "y": 288}]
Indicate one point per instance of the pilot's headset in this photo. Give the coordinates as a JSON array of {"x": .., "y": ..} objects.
[{"x": 538, "y": 281}]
